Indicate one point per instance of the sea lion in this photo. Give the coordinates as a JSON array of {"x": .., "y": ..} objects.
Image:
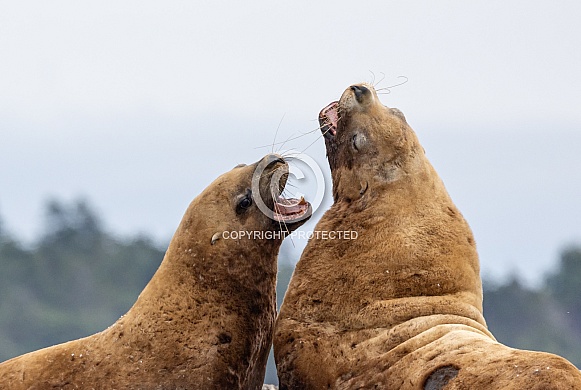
[
  {"x": 400, "y": 307},
  {"x": 205, "y": 319}
]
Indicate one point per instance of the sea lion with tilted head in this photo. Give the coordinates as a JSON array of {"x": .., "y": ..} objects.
[
  {"x": 400, "y": 307},
  {"x": 205, "y": 319}
]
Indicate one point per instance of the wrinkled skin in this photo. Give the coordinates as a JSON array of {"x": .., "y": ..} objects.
[
  {"x": 400, "y": 307},
  {"x": 205, "y": 319}
]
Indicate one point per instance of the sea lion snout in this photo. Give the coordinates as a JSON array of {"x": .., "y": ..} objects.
[
  {"x": 360, "y": 91},
  {"x": 268, "y": 183},
  {"x": 273, "y": 158},
  {"x": 270, "y": 176},
  {"x": 357, "y": 97}
]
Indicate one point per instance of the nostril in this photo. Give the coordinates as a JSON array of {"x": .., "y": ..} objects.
[{"x": 359, "y": 91}]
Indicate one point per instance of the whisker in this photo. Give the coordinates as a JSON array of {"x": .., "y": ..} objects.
[
  {"x": 312, "y": 143},
  {"x": 311, "y": 131},
  {"x": 375, "y": 84},
  {"x": 285, "y": 229},
  {"x": 322, "y": 134},
  {"x": 264, "y": 174},
  {"x": 276, "y": 133},
  {"x": 281, "y": 146},
  {"x": 291, "y": 185},
  {"x": 288, "y": 194},
  {"x": 290, "y": 154},
  {"x": 288, "y": 191},
  {"x": 393, "y": 86},
  {"x": 289, "y": 139},
  {"x": 268, "y": 173},
  {"x": 277, "y": 210}
]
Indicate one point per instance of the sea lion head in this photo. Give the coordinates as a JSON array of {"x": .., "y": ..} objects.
[
  {"x": 246, "y": 203},
  {"x": 368, "y": 144}
]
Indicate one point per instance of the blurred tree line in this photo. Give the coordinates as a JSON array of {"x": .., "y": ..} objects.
[
  {"x": 77, "y": 279},
  {"x": 547, "y": 318}
]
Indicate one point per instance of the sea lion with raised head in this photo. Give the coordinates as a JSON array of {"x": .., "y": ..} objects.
[
  {"x": 400, "y": 307},
  {"x": 205, "y": 320}
]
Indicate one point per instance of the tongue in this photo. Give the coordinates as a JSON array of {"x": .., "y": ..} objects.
[
  {"x": 290, "y": 206},
  {"x": 328, "y": 118}
]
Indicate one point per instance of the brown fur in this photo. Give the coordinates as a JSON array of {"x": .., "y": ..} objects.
[
  {"x": 400, "y": 307},
  {"x": 204, "y": 321}
]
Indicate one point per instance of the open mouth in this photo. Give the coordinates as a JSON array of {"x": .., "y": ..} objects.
[
  {"x": 289, "y": 210},
  {"x": 328, "y": 118}
]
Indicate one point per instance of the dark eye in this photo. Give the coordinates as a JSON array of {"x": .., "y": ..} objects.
[
  {"x": 244, "y": 202},
  {"x": 355, "y": 141}
]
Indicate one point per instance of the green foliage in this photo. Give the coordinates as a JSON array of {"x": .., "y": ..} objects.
[
  {"x": 544, "y": 319},
  {"x": 76, "y": 280},
  {"x": 565, "y": 286},
  {"x": 531, "y": 319}
]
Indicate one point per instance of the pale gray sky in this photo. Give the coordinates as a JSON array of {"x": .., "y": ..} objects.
[{"x": 138, "y": 105}]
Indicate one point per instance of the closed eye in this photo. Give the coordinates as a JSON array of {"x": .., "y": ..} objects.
[{"x": 358, "y": 141}]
